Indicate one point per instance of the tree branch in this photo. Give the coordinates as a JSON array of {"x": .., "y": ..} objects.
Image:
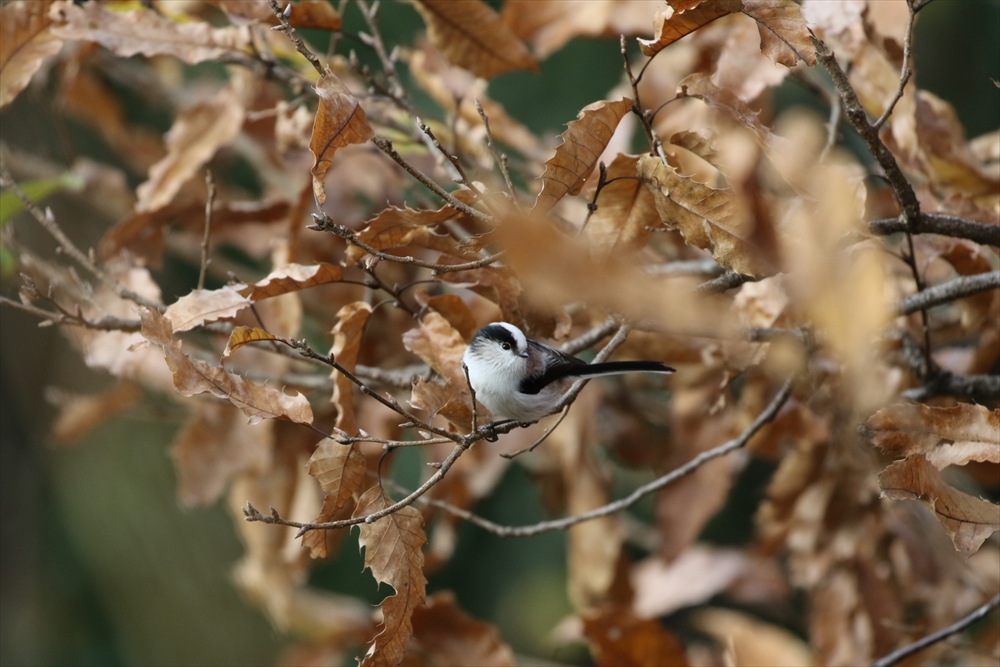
[
  {"x": 946, "y": 225},
  {"x": 949, "y": 291},
  {"x": 935, "y": 637}
]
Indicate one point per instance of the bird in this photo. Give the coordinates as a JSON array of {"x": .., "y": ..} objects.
[{"x": 521, "y": 379}]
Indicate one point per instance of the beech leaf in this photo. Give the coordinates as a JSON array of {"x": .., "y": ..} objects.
[
  {"x": 583, "y": 142},
  {"x": 340, "y": 470},
  {"x": 398, "y": 227},
  {"x": 967, "y": 520},
  {"x": 707, "y": 218},
  {"x": 340, "y": 121},
  {"x": 679, "y": 20},
  {"x": 946, "y": 436},
  {"x": 191, "y": 142},
  {"x": 439, "y": 344},
  {"x": 451, "y": 637},
  {"x": 192, "y": 376},
  {"x": 291, "y": 278},
  {"x": 474, "y": 37},
  {"x": 625, "y": 211},
  {"x": 146, "y": 32},
  {"x": 25, "y": 41},
  {"x": 393, "y": 552},
  {"x": 242, "y": 336},
  {"x": 784, "y": 35},
  {"x": 201, "y": 306},
  {"x": 351, "y": 320}
]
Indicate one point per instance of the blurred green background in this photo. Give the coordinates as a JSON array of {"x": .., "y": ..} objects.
[{"x": 100, "y": 566}]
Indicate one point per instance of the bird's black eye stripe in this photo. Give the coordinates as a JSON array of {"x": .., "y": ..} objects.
[{"x": 500, "y": 334}]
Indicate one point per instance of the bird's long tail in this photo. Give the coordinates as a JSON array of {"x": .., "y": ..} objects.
[{"x": 619, "y": 367}]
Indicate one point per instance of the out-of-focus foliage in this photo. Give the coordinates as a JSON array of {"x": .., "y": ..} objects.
[{"x": 827, "y": 287}]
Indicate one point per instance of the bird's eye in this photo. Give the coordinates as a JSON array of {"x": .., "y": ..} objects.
[{"x": 505, "y": 346}]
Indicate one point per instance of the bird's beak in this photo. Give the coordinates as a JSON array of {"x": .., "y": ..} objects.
[{"x": 523, "y": 355}]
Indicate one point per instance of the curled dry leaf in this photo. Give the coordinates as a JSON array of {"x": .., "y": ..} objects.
[
  {"x": 25, "y": 41},
  {"x": 291, "y": 278},
  {"x": 707, "y": 218},
  {"x": 351, "y": 320},
  {"x": 146, "y": 32},
  {"x": 340, "y": 470},
  {"x": 583, "y": 142},
  {"x": 440, "y": 345},
  {"x": 679, "y": 20},
  {"x": 393, "y": 552},
  {"x": 946, "y": 436},
  {"x": 625, "y": 210},
  {"x": 191, "y": 142},
  {"x": 967, "y": 520},
  {"x": 471, "y": 35},
  {"x": 400, "y": 227},
  {"x": 340, "y": 121},
  {"x": 318, "y": 14},
  {"x": 192, "y": 376},
  {"x": 242, "y": 336},
  {"x": 443, "y": 634},
  {"x": 784, "y": 35}
]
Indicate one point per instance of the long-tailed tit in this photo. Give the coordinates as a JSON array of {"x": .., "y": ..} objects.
[{"x": 525, "y": 380}]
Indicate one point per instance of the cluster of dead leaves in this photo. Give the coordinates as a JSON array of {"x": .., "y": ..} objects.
[{"x": 727, "y": 185}]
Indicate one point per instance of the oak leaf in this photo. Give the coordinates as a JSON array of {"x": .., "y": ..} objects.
[
  {"x": 25, "y": 41},
  {"x": 146, "y": 32},
  {"x": 707, "y": 218},
  {"x": 195, "y": 136},
  {"x": 192, "y": 376},
  {"x": 967, "y": 520},
  {"x": 583, "y": 142},
  {"x": 471, "y": 35},
  {"x": 392, "y": 547},
  {"x": 340, "y": 121}
]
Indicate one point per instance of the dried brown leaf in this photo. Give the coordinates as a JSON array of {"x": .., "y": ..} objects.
[
  {"x": 340, "y": 121},
  {"x": 440, "y": 345},
  {"x": 393, "y": 552},
  {"x": 495, "y": 283},
  {"x": 201, "y": 306},
  {"x": 291, "y": 278},
  {"x": 749, "y": 641},
  {"x": 619, "y": 639},
  {"x": 946, "y": 436},
  {"x": 698, "y": 144},
  {"x": 684, "y": 18},
  {"x": 400, "y": 227},
  {"x": 341, "y": 471},
  {"x": 146, "y": 32},
  {"x": 471, "y": 35},
  {"x": 707, "y": 218},
  {"x": 195, "y": 136},
  {"x": 25, "y": 41},
  {"x": 444, "y": 398},
  {"x": 192, "y": 376},
  {"x": 625, "y": 210},
  {"x": 351, "y": 320},
  {"x": 79, "y": 415},
  {"x": 784, "y": 35},
  {"x": 443, "y": 634},
  {"x": 214, "y": 446},
  {"x": 244, "y": 335},
  {"x": 583, "y": 142},
  {"x": 967, "y": 520},
  {"x": 317, "y": 14},
  {"x": 700, "y": 85}
]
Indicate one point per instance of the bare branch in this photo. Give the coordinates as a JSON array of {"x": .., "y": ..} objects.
[
  {"x": 946, "y": 225},
  {"x": 768, "y": 415},
  {"x": 326, "y": 224},
  {"x": 499, "y": 158},
  {"x": 949, "y": 291},
  {"x": 385, "y": 146},
  {"x": 210, "y": 184},
  {"x": 727, "y": 281},
  {"x": 589, "y": 339},
  {"x": 106, "y": 323},
  {"x": 943, "y": 633},
  {"x": 904, "y": 74},
  {"x": 300, "y": 45}
]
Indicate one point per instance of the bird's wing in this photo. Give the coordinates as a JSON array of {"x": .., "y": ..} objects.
[{"x": 559, "y": 366}]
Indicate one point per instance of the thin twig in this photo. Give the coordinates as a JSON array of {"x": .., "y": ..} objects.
[
  {"x": 645, "y": 117},
  {"x": 939, "y": 223},
  {"x": 935, "y": 637},
  {"x": 949, "y": 291},
  {"x": 541, "y": 439},
  {"x": 768, "y": 415},
  {"x": 591, "y": 337},
  {"x": 499, "y": 158},
  {"x": 300, "y": 45},
  {"x": 388, "y": 60},
  {"x": 385, "y": 146},
  {"x": 460, "y": 175},
  {"x": 210, "y": 184},
  {"x": 602, "y": 180},
  {"x": 904, "y": 74},
  {"x": 48, "y": 222},
  {"x": 106, "y": 323},
  {"x": 326, "y": 224},
  {"x": 727, "y": 281}
]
